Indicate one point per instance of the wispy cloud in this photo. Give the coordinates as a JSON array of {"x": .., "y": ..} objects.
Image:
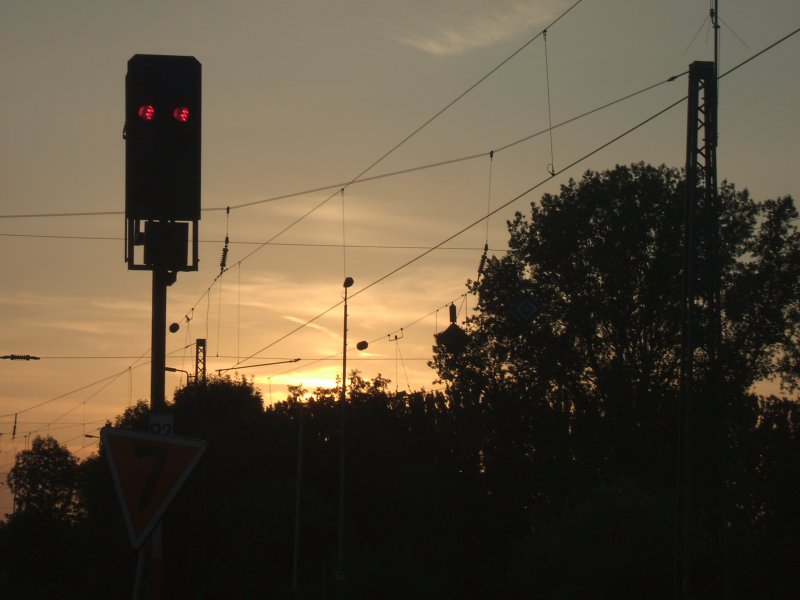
[
  {"x": 499, "y": 23},
  {"x": 316, "y": 326}
]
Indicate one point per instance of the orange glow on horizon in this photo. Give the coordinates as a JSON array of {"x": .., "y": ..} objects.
[{"x": 274, "y": 389}]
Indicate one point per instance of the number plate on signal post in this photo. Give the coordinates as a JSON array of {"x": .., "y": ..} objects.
[{"x": 162, "y": 423}]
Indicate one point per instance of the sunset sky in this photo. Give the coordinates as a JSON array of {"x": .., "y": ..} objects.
[{"x": 299, "y": 99}]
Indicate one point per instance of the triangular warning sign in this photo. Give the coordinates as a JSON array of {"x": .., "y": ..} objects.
[{"x": 148, "y": 471}]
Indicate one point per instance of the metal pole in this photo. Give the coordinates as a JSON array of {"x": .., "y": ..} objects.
[
  {"x": 200, "y": 361},
  {"x": 138, "y": 582},
  {"x": 687, "y": 347},
  {"x": 717, "y": 375},
  {"x": 158, "y": 354},
  {"x": 298, "y": 490},
  {"x": 158, "y": 404},
  {"x": 700, "y": 416},
  {"x": 342, "y": 445}
]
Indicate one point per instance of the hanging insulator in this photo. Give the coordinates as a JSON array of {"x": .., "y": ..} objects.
[
  {"x": 483, "y": 259},
  {"x": 14, "y": 431},
  {"x": 224, "y": 260},
  {"x": 19, "y": 357}
]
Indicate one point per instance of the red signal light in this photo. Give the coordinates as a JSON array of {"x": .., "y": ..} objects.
[
  {"x": 147, "y": 112},
  {"x": 181, "y": 114}
]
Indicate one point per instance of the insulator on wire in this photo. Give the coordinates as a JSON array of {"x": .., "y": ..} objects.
[
  {"x": 224, "y": 260},
  {"x": 19, "y": 357},
  {"x": 483, "y": 259}
]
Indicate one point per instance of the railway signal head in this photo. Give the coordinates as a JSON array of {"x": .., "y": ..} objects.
[{"x": 162, "y": 138}]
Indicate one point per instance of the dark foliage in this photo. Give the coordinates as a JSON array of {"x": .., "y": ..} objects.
[
  {"x": 44, "y": 481},
  {"x": 583, "y": 400},
  {"x": 546, "y": 470}
]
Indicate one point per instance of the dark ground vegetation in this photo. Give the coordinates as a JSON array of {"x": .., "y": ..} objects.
[{"x": 546, "y": 468}]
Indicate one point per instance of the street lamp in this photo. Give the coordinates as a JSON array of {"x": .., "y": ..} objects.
[
  {"x": 174, "y": 370},
  {"x": 348, "y": 282},
  {"x": 362, "y": 345}
]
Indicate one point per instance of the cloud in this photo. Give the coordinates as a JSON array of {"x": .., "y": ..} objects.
[
  {"x": 316, "y": 326},
  {"x": 488, "y": 27}
]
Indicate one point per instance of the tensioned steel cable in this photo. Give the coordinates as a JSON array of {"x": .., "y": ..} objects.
[
  {"x": 518, "y": 197},
  {"x": 428, "y": 251}
]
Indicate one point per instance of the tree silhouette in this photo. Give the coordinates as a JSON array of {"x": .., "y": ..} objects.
[
  {"x": 556, "y": 407},
  {"x": 44, "y": 480},
  {"x": 40, "y": 547},
  {"x": 546, "y": 468}
]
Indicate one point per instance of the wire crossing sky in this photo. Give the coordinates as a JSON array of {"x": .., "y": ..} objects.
[{"x": 467, "y": 101}]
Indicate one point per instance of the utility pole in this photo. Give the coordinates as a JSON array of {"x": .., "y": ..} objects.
[
  {"x": 200, "y": 361},
  {"x": 162, "y": 201},
  {"x": 340, "y": 574},
  {"x": 162, "y": 279},
  {"x": 297, "y": 498},
  {"x": 701, "y": 479}
]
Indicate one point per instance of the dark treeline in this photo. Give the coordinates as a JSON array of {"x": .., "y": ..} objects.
[{"x": 547, "y": 468}]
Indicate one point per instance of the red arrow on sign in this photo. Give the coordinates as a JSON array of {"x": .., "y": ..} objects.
[{"x": 148, "y": 471}]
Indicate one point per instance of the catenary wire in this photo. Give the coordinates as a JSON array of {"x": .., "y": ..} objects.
[
  {"x": 428, "y": 251},
  {"x": 66, "y": 394},
  {"x": 374, "y": 163},
  {"x": 338, "y": 186},
  {"x": 338, "y": 355},
  {"x": 271, "y": 241},
  {"x": 466, "y": 228},
  {"x": 127, "y": 369},
  {"x": 418, "y": 168},
  {"x": 391, "y": 150},
  {"x": 514, "y": 199},
  {"x": 251, "y": 243}
]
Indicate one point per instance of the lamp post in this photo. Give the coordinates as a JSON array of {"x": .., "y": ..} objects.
[
  {"x": 362, "y": 345},
  {"x": 348, "y": 282},
  {"x": 174, "y": 370}
]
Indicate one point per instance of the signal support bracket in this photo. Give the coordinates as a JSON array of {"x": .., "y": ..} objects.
[{"x": 163, "y": 244}]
